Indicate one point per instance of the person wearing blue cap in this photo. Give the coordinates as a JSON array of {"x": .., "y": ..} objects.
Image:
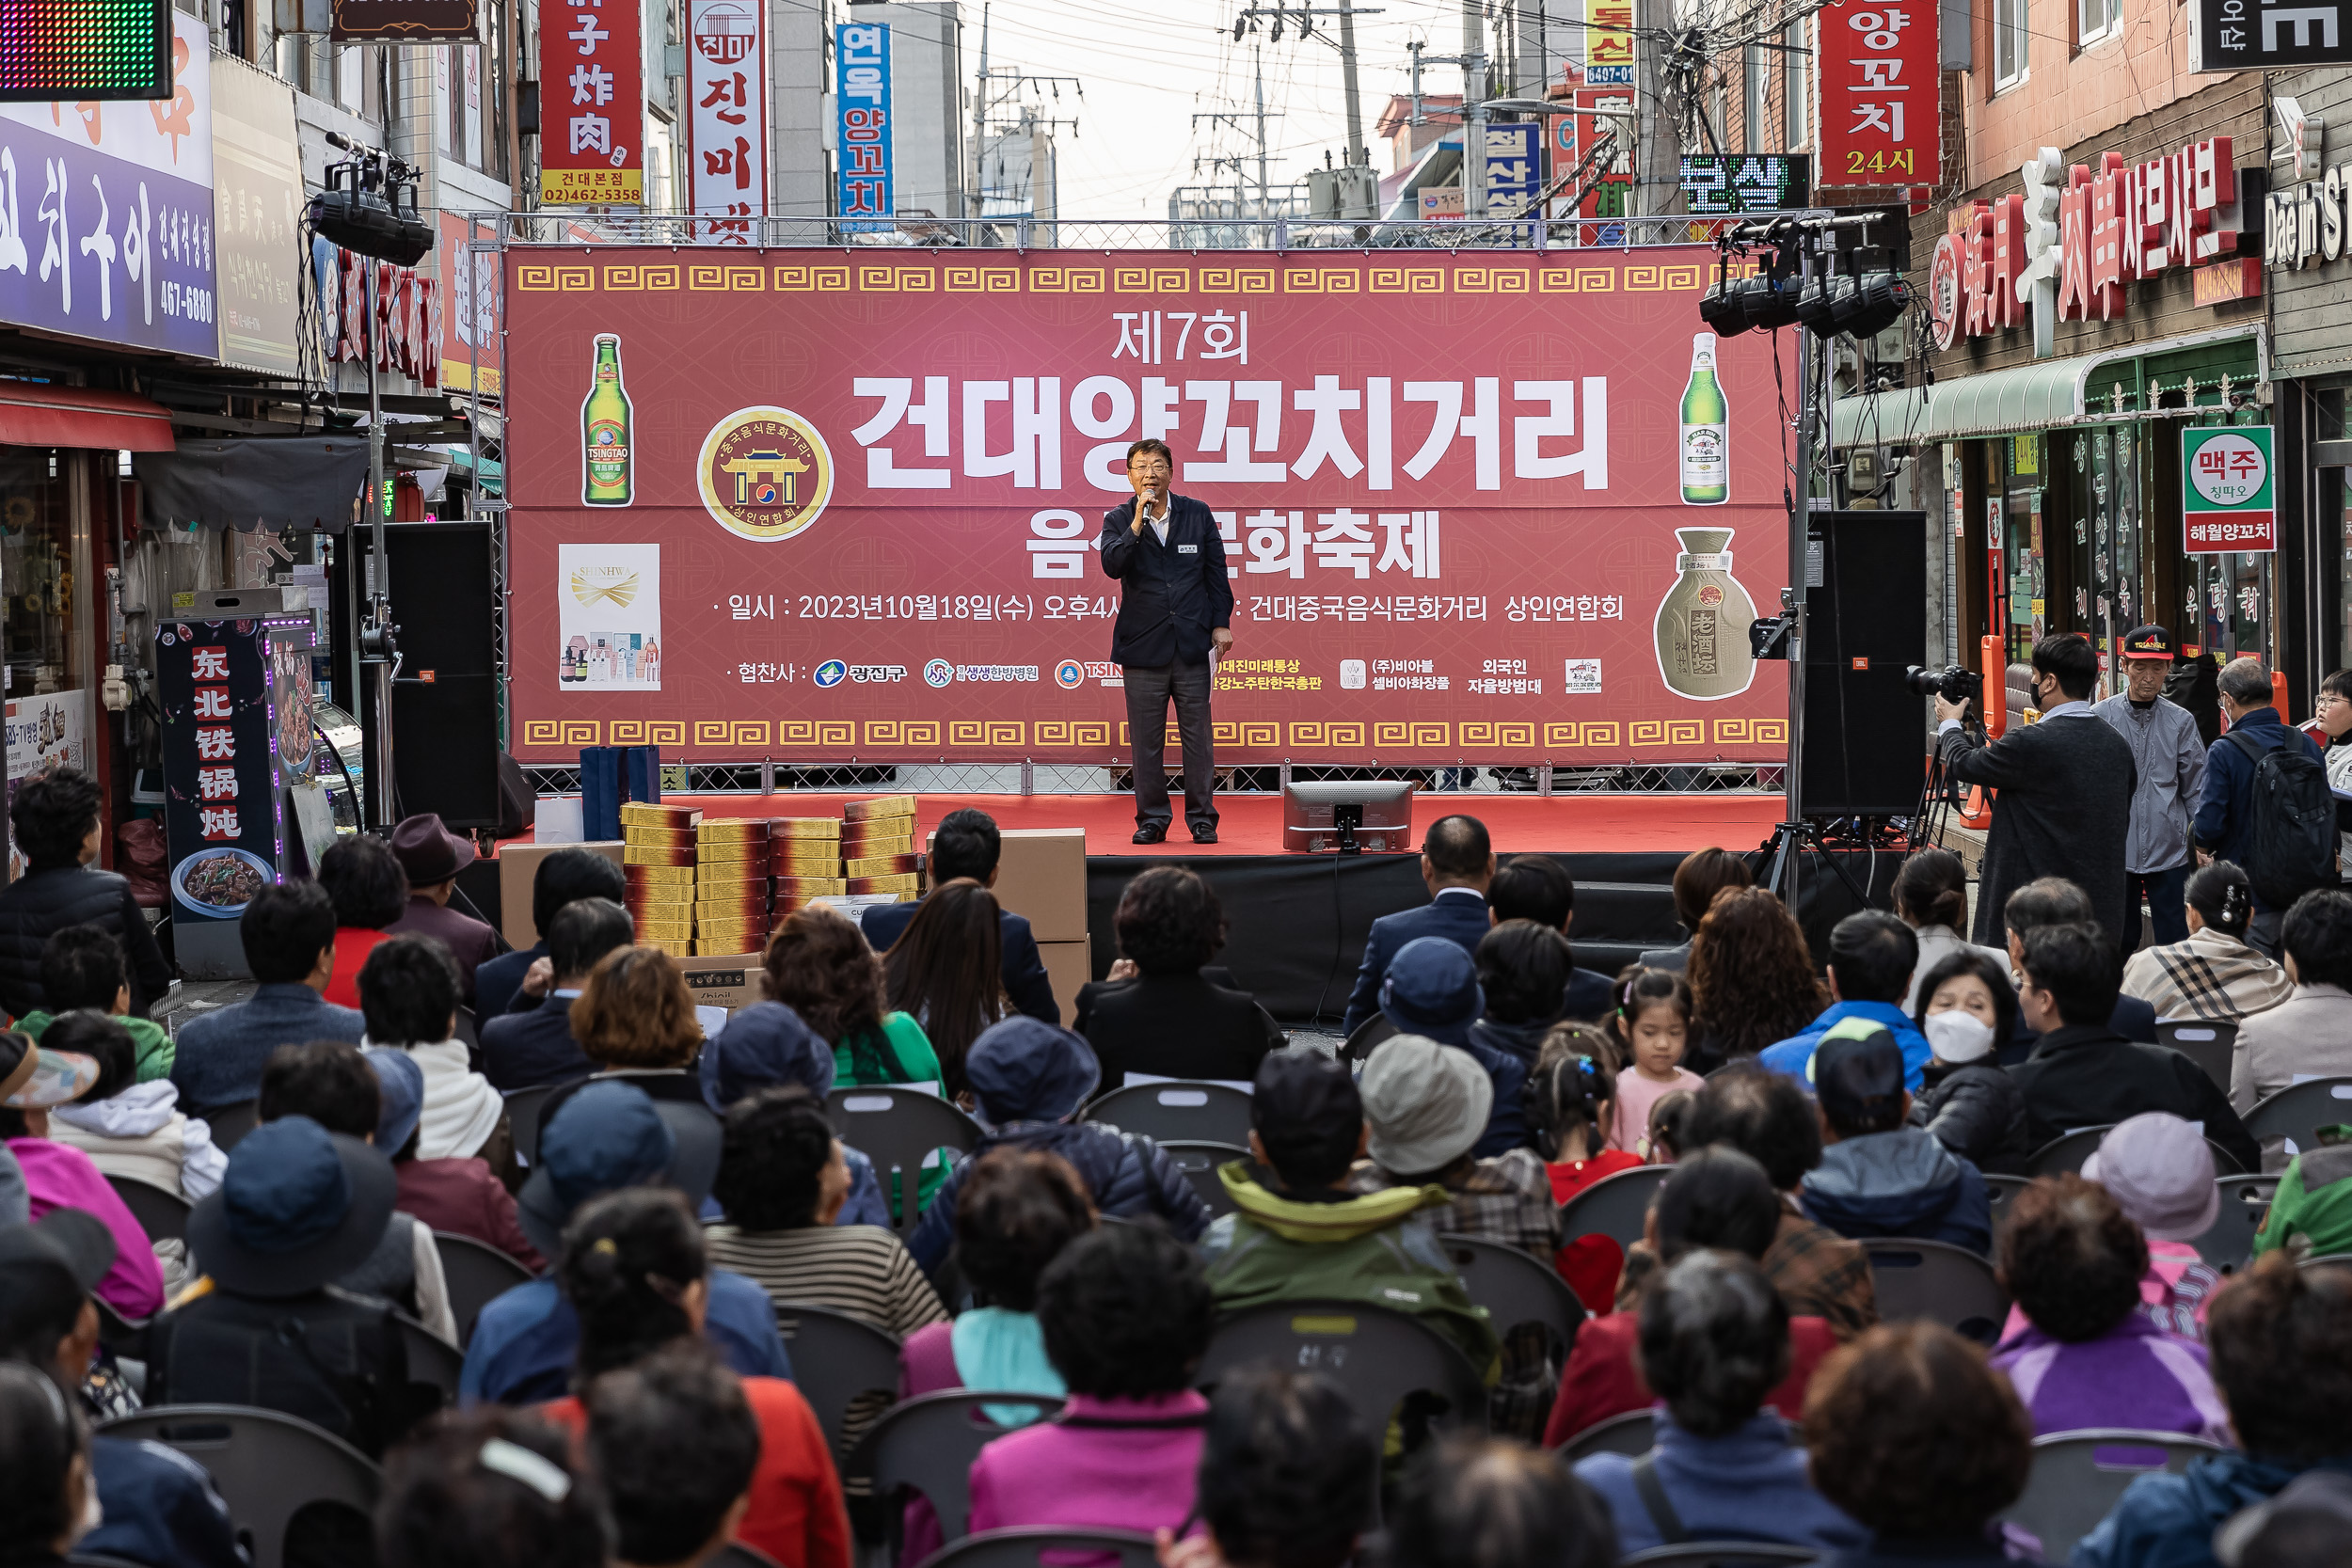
[
  {"x": 605, "y": 1137},
  {"x": 1432, "y": 991},
  {"x": 766, "y": 1046},
  {"x": 1029, "y": 1080}
]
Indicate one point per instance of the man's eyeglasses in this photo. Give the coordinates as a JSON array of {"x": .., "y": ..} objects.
[{"x": 1148, "y": 469}]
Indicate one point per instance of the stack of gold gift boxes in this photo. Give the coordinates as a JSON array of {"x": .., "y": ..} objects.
[{"x": 717, "y": 886}]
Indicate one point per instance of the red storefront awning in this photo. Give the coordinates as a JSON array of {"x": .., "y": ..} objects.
[{"x": 32, "y": 415}]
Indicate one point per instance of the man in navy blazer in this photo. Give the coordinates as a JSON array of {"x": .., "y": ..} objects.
[
  {"x": 524, "y": 1050},
  {"x": 1458, "y": 861},
  {"x": 965, "y": 847},
  {"x": 1175, "y": 604}
]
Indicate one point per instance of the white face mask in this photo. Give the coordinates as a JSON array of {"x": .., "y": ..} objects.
[{"x": 1957, "y": 1035}]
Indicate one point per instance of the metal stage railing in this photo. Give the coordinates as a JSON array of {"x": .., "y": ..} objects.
[{"x": 1021, "y": 778}]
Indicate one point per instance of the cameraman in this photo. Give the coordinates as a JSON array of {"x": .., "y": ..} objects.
[
  {"x": 2170, "y": 757},
  {"x": 2066, "y": 784}
]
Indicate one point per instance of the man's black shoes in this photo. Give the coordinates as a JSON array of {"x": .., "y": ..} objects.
[
  {"x": 1152, "y": 832},
  {"x": 1204, "y": 835}
]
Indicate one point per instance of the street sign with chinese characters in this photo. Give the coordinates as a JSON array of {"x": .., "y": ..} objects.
[
  {"x": 1881, "y": 105},
  {"x": 1718, "y": 184},
  {"x": 726, "y": 61},
  {"x": 2244, "y": 34},
  {"x": 865, "y": 133},
  {"x": 2227, "y": 494},
  {"x": 593, "y": 105},
  {"x": 1515, "y": 167},
  {"x": 1600, "y": 112}
]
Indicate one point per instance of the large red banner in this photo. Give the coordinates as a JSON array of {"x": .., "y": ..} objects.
[{"x": 812, "y": 505}]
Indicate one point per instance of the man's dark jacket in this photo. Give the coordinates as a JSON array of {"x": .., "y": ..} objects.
[
  {"x": 1025, "y": 980},
  {"x": 2085, "y": 1075},
  {"x": 1174, "y": 1026},
  {"x": 41, "y": 903},
  {"x": 522, "y": 1051},
  {"x": 2065, "y": 810},
  {"x": 1457, "y": 914},
  {"x": 2224, "y": 824},
  {"x": 1170, "y": 594}
]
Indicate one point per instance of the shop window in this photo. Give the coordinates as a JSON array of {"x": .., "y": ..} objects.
[
  {"x": 36, "y": 634},
  {"x": 2009, "y": 43}
]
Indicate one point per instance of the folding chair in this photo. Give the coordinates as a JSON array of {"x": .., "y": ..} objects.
[
  {"x": 1199, "y": 1162},
  {"x": 432, "y": 1360},
  {"x": 1183, "y": 1111},
  {"x": 737, "y": 1554},
  {"x": 267, "y": 1466},
  {"x": 229, "y": 1123},
  {"x": 930, "y": 1442},
  {"x": 1368, "y": 1033},
  {"x": 657, "y": 1082},
  {"x": 2066, "y": 1153},
  {"x": 478, "y": 1274},
  {"x": 898, "y": 1128},
  {"x": 1632, "y": 1433},
  {"x": 1718, "y": 1554},
  {"x": 523, "y": 1112},
  {"x": 161, "y": 1212},
  {"x": 1026, "y": 1548},
  {"x": 1614, "y": 1206},
  {"x": 2077, "y": 1477},
  {"x": 836, "y": 1358},
  {"x": 2230, "y": 1241},
  {"x": 2209, "y": 1045},
  {"x": 2299, "y": 1112},
  {"x": 1943, "y": 1284},
  {"x": 1998, "y": 1190},
  {"x": 119, "y": 1334},
  {"x": 1514, "y": 1287},
  {"x": 1373, "y": 1356}
]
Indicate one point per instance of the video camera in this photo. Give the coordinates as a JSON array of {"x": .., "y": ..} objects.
[{"x": 1952, "y": 683}]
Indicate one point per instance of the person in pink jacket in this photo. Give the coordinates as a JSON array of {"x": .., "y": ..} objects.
[
  {"x": 1126, "y": 1314},
  {"x": 55, "y": 1175}
]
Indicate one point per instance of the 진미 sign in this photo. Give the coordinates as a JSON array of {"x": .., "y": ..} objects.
[{"x": 2227, "y": 491}]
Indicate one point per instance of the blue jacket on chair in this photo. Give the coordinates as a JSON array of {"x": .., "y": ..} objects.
[{"x": 1456, "y": 913}]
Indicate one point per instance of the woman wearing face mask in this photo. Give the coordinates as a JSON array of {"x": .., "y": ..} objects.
[
  {"x": 1966, "y": 1099},
  {"x": 2214, "y": 975}
]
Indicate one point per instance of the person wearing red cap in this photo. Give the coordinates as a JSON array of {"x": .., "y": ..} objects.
[
  {"x": 433, "y": 856},
  {"x": 2169, "y": 758}
]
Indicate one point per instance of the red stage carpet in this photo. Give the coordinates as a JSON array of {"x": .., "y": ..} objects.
[{"x": 1252, "y": 824}]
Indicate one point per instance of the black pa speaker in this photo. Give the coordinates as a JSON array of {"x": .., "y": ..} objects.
[
  {"x": 1864, "y": 613},
  {"x": 445, "y": 734}
]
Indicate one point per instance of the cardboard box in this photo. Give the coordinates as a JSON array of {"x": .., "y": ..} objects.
[
  {"x": 879, "y": 807},
  {"x": 1042, "y": 873},
  {"x": 895, "y": 836},
  {"x": 733, "y": 828},
  {"x": 819, "y": 827},
  {"x": 719, "y": 851},
  {"x": 665, "y": 931},
  {"x": 728, "y": 980},
  {"x": 802, "y": 889},
  {"x": 1069, "y": 965},
  {"x": 655, "y": 854},
  {"x": 881, "y": 865},
  {"x": 786, "y": 864},
  {"x": 657, "y": 875},
  {"x": 731, "y": 874},
  {"x": 518, "y": 867},
  {"x": 647, "y": 814},
  {"x": 907, "y": 882},
  {"x": 658, "y": 837}
]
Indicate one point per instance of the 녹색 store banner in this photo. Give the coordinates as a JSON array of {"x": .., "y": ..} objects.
[{"x": 802, "y": 504}]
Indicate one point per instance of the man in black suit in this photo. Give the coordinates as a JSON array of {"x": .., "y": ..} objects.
[
  {"x": 1175, "y": 606},
  {"x": 1539, "y": 888},
  {"x": 965, "y": 847},
  {"x": 522, "y": 1051},
  {"x": 1457, "y": 861}
]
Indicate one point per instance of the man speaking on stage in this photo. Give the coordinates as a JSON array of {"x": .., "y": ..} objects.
[{"x": 1174, "y": 607}]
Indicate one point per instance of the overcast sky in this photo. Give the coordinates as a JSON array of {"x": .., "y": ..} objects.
[{"x": 1148, "y": 70}]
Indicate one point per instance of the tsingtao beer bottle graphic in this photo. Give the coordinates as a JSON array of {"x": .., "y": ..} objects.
[
  {"x": 604, "y": 421},
  {"x": 1706, "y": 429}
]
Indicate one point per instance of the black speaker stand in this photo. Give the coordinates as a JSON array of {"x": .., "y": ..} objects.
[{"x": 1788, "y": 841}]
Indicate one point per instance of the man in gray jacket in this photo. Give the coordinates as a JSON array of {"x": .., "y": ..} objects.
[{"x": 2169, "y": 757}]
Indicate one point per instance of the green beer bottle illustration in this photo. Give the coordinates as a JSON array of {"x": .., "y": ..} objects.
[
  {"x": 1706, "y": 429},
  {"x": 604, "y": 421}
]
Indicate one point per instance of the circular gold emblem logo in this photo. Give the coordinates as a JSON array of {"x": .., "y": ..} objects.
[{"x": 765, "y": 473}]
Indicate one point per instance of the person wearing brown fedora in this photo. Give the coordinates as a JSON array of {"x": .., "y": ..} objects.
[{"x": 433, "y": 856}]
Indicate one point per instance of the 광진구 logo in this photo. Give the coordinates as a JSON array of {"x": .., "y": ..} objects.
[
  {"x": 939, "y": 673},
  {"x": 831, "y": 672},
  {"x": 765, "y": 473}
]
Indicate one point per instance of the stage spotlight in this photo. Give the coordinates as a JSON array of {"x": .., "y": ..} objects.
[{"x": 1865, "y": 306}]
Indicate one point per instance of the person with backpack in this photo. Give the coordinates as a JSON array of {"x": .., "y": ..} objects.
[
  {"x": 2266, "y": 803},
  {"x": 2066, "y": 786}
]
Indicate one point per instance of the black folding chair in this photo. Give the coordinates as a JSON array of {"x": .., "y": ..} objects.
[
  {"x": 1614, "y": 1206},
  {"x": 835, "y": 1359},
  {"x": 1943, "y": 1284},
  {"x": 1199, "y": 1162},
  {"x": 1515, "y": 1289},
  {"x": 930, "y": 1442},
  {"x": 1999, "y": 1190},
  {"x": 2063, "y": 1155},
  {"x": 1026, "y": 1548},
  {"x": 478, "y": 1274},
  {"x": 2209, "y": 1045},
  {"x": 267, "y": 1466},
  {"x": 1718, "y": 1554},
  {"x": 1633, "y": 1433},
  {"x": 1373, "y": 1356},
  {"x": 119, "y": 1334},
  {"x": 2230, "y": 1241},
  {"x": 161, "y": 1212},
  {"x": 230, "y": 1123},
  {"x": 737, "y": 1554},
  {"x": 898, "y": 1128},
  {"x": 1368, "y": 1033},
  {"x": 523, "y": 1115},
  {"x": 432, "y": 1360},
  {"x": 657, "y": 1082},
  {"x": 2078, "y": 1475},
  {"x": 2296, "y": 1114},
  {"x": 1183, "y": 1111}
]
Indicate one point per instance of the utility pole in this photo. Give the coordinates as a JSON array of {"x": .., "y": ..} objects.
[
  {"x": 975, "y": 200},
  {"x": 1474, "y": 111},
  {"x": 1236, "y": 120},
  {"x": 1355, "y": 152},
  {"x": 1257, "y": 69},
  {"x": 1347, "y": 12}
]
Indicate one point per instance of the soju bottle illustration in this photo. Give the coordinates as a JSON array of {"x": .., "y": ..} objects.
[
  {"x": 604, "y": 421},
  {"x": 1706, "y": 446},
  {"x": 1702, "y": 626}
]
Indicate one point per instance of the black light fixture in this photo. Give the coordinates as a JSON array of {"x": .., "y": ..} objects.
[
  {"x": 369, "y": 207},
  {"x": 1864, "y": 302}
]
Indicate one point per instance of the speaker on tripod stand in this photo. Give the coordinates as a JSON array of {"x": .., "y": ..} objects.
[{"x": 1866, "y": 575}]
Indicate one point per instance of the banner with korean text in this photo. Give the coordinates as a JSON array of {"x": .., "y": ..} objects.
[
  {"x": 592, "y": 61},
  {"x": 815, "y": 506}
]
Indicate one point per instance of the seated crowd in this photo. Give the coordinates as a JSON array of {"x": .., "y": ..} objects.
[{"x": 683, "y": 1220}]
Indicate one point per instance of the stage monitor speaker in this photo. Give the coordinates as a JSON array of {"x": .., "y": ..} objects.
[
  {"x": 1866, "y": 600},
  {"x": 445, "y": 738}
]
